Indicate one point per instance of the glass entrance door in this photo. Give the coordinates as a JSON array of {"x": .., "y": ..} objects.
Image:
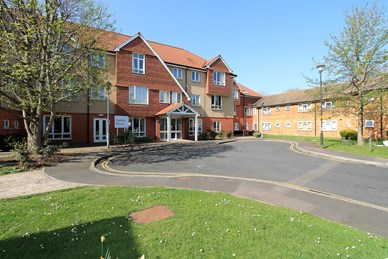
[
  {"x": 176, "y": 129},
  {"x": 99, "y": 131}
]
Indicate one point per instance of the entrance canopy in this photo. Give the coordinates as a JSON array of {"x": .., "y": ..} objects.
[{"x": 179, "y": 110}]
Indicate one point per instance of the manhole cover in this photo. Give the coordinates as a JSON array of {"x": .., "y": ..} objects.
[{"x": 152, "y": 214}]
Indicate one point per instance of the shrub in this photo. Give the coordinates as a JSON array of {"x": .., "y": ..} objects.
[
  {"x": 203, "y": 136},
  {"x": 221, "y": 134},
  {"x": 21, "y": 153},
  {"x": 124, "y": 138},
  {"x": 229, "y": 134},
  {"x": 48, "y": 151},
  {"x": 257, "y": 134},
  {"x": 348, "y": 134},
  {"x": 211, "y": 134},
  {"x": 7, "y": 141}
]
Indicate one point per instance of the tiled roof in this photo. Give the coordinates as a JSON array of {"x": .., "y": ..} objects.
[
  {"x": 248, "y": 92},
  {"x": 177, "y": 56},
  {"x": 169, "y": 54},
  {"x": 287, "y": 98}
]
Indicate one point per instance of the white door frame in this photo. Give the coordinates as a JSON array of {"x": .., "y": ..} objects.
[{"x": 99, "y": 138}]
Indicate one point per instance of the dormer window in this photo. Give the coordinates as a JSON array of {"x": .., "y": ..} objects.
[
  {"x": 138, "y": 63},
  {"x": 304, "y": 107},
  {"x": 328, "y": 105},
  {"x": 219, "y": 78}
]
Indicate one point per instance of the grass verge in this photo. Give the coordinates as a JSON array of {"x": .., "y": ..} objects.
[
  {"x": 348, "y": 146},
  {"x": 68, "y": 224}
]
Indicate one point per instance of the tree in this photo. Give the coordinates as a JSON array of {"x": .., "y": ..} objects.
[
  {"x": 46, "y": 48},
  {"x": 357, "y": 57}
]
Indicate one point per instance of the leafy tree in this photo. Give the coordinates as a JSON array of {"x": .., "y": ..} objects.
[
  {"x": 357, "y": 59},
  {"x": 46, "y": 49}
]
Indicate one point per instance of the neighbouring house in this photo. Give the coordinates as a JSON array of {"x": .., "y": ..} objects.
[
  {"x": 167, "y": 92},
  {"x": 245, "y": 114},
  {"x": 297, "y": 113}
]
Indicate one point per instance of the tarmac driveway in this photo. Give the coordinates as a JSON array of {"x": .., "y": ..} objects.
[{"x": 272, "y": 161}]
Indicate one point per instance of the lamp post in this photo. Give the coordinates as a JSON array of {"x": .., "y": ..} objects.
[
  {"x": 320, "y": 69},
  {"x": 108, "y": 86},
  {"x": 262, "y": 119}
]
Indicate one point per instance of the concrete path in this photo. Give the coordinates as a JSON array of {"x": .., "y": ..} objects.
[{"x": 358, "y": 214}]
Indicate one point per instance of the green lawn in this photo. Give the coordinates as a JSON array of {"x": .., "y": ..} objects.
[
  {"x": 348, "y": 146},
  {"x": 68, "y": 224}
]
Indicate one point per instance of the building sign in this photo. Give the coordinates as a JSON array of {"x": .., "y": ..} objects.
[
  {"x": 369, "y": 123},
  {"x": 121, "y": 122}
]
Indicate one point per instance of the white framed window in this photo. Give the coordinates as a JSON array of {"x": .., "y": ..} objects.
[
  {"x": 304, "y": 107},
  {"x": 138, "y": 95},
  {"x": 247, "y": 111},
  {"x": 61, "y": 127},
  {"x": 219, "y": 78},
  {"x": 287, "y": 107},
  {"x": 277, "y": 108},
  {"x": 266, "y": 110},
  {"x": 246, "y": 126},
  {"x": 164, "y": 97},
  {"x": 195, "y": 100},
  {"x": 6, "y": 124},
  {"x": 236, "y": 126},
  {"x": 217, "y": 126},
  {"x": 304, "y": 125},
  {"x": 98, "y": 60},
  {"x": 266, "y": 125},
  {"x": 288, "y": 124},
  {"x": 176, "y": 97},
  {"x": 254, "y": 111},
  {"x": 97, "y": 93},
  {"x": 138, "y": 63},
  {"x": 137, "y": 126},
  {"x": 255, "y": 126},
  {"x": 277, "y": 125},
  {"x": 195, "y": 76},
  {"x": 234, "y": 110},
  {"x": 329, "y": 125},
  {"x": 235, "y": 94},
  {"x": 177, "y": 72},
  {"x": 192, "y": 126},
  {"x": 216, "y": 102},
  {"x": 328, "y": 105},
  {"x": 16, "y": 124}
]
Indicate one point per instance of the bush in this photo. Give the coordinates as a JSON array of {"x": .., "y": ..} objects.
[
  {"x": 229, "y": 134},
  {"x": 211, "y": 134},
  {"x": 257, "y": 134},
  {"x": 21, "y": 153},
  {"x": 348, "y": 134},
  {"x": 48, "y": 151},
  {"x": 7, "y": 141},
  {"x": 203, "y": 136},
  {"x": 221, "y": 134},
  {"x": 124, "y": 138}
]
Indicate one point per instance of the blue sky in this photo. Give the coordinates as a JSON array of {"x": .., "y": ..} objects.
[{"x": 270, "y": 45}]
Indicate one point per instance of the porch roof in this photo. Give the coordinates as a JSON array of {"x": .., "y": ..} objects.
[{"x": 178, "y": 109}]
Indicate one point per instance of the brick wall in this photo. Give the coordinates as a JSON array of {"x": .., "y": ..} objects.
[
  {"x": 11, "y": 116},
  {"x": 226, "y": 123}
]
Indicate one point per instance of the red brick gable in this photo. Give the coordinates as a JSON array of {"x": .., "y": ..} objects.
[
  {"x": 220, "y": 66},
  {"x": 156, "y": 75}
]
